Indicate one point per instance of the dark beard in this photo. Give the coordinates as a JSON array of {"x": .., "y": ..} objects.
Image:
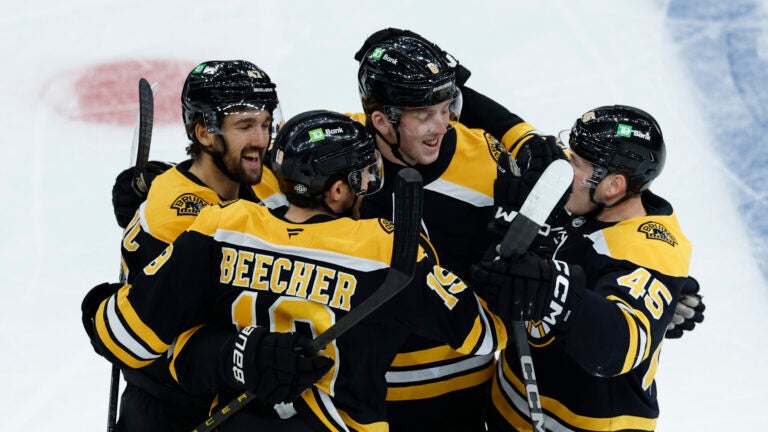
[{"x": 218, "y": 159}]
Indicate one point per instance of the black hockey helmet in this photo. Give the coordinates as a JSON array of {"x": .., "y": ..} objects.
[
  {"x": 406, "y": 72},
  {"x": 315, "y": 148},
  {"x": 620, "y": 139},
  {"x": 213, "y": 87}
]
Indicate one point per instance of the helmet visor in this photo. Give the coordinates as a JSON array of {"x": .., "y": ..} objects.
[
  {"x": 428, "y": 120},
  {"x": 594, "y": 173},
  {"x": 369, "y": 179},
  {"x": 271, "y": 116}
]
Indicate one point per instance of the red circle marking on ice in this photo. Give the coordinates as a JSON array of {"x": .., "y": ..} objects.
[{"x": 109, "y": 92}]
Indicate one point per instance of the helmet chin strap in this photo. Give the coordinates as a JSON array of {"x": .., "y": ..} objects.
[
  {"x": 218, "y": 158},
  {"x": 394, "y": 148},
  {"x": 601, "y": 205}
]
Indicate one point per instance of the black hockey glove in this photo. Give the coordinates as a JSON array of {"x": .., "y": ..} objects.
[
  {"x": 689, "y": 310},
  {"x": 90, "y": 306},
  {"x": 125, "y": 198},
  {"x": 462, "y": 73},
  {"x": 271, "y": 364},
  {"x": 529, "y": 287},
  {"x": 515, "y": 177}
]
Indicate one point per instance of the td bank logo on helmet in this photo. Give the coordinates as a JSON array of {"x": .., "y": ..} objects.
[
  {"x": 319, "y": 134},
  {"x": 628, "y": 131},
  {"x": 379, "y": 54}
]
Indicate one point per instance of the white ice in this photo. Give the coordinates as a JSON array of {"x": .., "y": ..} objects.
[{"x": 549, "y": 61}]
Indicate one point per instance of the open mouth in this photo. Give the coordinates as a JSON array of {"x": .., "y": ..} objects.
[{"x": 252, "y": 158}]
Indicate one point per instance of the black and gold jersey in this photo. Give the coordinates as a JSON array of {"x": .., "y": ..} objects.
[
  {"x": 458, "y": 194},
  {"x": 429, "y": 383},
  {"x": 174, "y": 201},
  {"x": 599, "y": 375},
  {"x": 240, "y": 265}
]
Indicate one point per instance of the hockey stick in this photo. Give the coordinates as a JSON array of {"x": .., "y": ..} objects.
[
  {"x": 142, "y": 138},
  {"x": 142, "y": 142},
  {"x": 408, "y": 207},
  {"x": 539, "y": 204}
]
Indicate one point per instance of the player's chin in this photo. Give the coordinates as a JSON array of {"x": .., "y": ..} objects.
[
  {"x": 426, "y": 159},
  {"x": 250, "y": 173}
]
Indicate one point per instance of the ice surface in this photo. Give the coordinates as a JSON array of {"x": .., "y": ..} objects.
[{"x": 698, "y": 66}]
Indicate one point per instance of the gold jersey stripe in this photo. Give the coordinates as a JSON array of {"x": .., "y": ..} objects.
[
  {"x": 135, "y": 323},
  {"x": 505, "y": 409},
  {"x": 112, "y": 346},
  {"x": 635, "y": 353},
  {"x": 178, "y": 347},
  {"x": 425, "y": 391},
  {"x": 333, "y": 423},
  {"x": 512, "y": 138},
  {"x": 473, "y": 338},
  {"x": 561, "y": 411},
  {"x": 443, "y": 352},
  {"x": 631, "y": 354},
  {"x": 439, "y": 370},
  {"x": 370, "y": 427}
]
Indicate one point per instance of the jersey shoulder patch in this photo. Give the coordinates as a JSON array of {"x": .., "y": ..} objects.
[
  {"x": 188, "y": 204},
  {"x": 657, "y": 231},
  {"x": 173, "y": 203}
]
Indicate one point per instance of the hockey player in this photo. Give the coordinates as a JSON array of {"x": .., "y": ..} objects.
[
  {"x": 598, "y": 310},
  {"x": 243, "y": 270},
  {"x": 230, "y": 110},
  {"x": 412, "y": 102}
]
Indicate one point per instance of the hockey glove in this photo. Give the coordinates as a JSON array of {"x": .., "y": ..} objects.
[
  {"x": 515, "y": 177},
  {"x": 271, "y": 364},
  {"x": 90, "y": 306},
  {"x": 462, "y": 73},
  {"x": 126, "y": 199},
  {"x": 529, "y": 287},
  {"x": 689, "y": 310}
]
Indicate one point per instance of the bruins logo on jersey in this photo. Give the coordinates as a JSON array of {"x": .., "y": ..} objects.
[
  {"x": 656, "y": 231},
  {"x": 495, "y": 148},
  {"x": 386, "y": 225},
  {"x": 188, "y": 204}
]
